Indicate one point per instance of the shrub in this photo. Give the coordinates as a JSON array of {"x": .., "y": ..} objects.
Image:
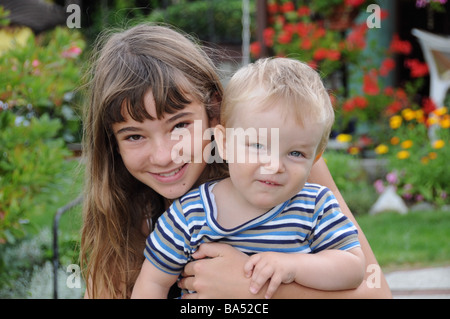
[
  {"x": 420, "y": 163},
  {"x": 41, "y": 76},
  {"x": 351, "y": 180},
  {"x": 31, "y": 160},
  {"x": 223, "y": 17}
]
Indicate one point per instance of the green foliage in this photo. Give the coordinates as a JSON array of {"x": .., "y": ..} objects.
[
  {"x": 31, "y": 159},
  {"x": 41, "y": 77},
  {"x": 351, "y": 180},
  {"x": 4, "y": 21},
  {"x": 216, "y": 21}
]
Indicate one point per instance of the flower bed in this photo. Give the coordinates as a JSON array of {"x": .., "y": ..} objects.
[{"x": 382, "y": 121}]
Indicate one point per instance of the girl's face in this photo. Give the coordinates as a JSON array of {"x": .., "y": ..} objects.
[{"x": 152, "y": 151}]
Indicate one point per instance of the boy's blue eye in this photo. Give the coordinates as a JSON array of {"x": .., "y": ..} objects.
[
  {"x": 258, "y": 146},
  {"x": 296, "y": 154}
]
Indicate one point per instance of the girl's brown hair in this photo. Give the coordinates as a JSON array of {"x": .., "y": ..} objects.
[{"x": 126, "y": 65}]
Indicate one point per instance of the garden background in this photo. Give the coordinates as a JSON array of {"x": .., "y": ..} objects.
[{"x": 377, "y": 78}]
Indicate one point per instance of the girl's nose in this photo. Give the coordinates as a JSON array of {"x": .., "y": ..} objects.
[{"x": 160, "y": 153}]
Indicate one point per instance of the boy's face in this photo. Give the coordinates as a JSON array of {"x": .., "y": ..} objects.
[{"x": 270, "y": 155}]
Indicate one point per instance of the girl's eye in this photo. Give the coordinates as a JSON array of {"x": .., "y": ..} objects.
[
  {"x": 181, "y": 125},
  {"x": 133, "y": 138}
]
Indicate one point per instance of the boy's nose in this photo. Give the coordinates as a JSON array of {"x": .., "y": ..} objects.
[{"x": 273, "y": 166}]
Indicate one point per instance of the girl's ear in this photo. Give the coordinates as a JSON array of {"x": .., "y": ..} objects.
[
  {"x": 221, "y": 141},
  {"x": 214, "y": 110}
]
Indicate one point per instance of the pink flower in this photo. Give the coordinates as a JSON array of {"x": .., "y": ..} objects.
[
  {"x": 35, "y": 63},
  {"x": 379, "y": 186},
  {"x": 392, "y": 178},
  {"x": 72, "y": 52}
]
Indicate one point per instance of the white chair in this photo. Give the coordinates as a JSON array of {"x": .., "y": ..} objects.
[{"x": 436, "y": 50}]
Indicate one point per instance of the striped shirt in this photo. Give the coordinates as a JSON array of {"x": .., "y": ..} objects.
[{"x": 309, "y": 222}]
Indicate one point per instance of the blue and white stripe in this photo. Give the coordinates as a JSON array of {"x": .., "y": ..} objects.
[{"x": 308, "y": 223}]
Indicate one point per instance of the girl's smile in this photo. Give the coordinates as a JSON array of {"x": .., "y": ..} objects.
[{"x": 171, "y": 176}]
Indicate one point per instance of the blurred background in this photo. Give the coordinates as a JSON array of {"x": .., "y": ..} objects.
[{"x": 385, "y": 63}]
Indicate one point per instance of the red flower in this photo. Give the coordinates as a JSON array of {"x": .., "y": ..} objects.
[
  {"x": 285, "y": 37},
  {"x": 428, "y": 105},
  {"x": 418, "y": 69},
  {"x": 320, "y": 54},
  {"x": 287, "y": 7},
  {"x": 303, "y": 29},
  {"x": 306, "y": 44},
  {"x": 394, "y": 108},
  {"x": 399, "y": 46},
  {"x": 272, "y": 8},
  {"x": 354, "y": 3},
  {"x": 389, "y": 91},
  {"x": 361, "y": 102},
  {"x": 370, "y": 86},
  {"x": 268, "y": 35},
  {"x": 384, "y": 14},
  {"x": 401, "y": 95},
  {"x": 319, "y": 33},
  {"x": 387, "y": 66},
  {"x": 348, "y": 106},
  {"x": 290, "y": 27},
  {"x": 333, "y": 55},
  {"x": 313, "y": 64},
  {"x": 255, "y": 49},
  {"x": 357, "y": 37},
  {"x": 303, "y": 11}
]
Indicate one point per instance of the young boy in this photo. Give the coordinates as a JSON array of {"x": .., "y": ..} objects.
[{"x": 276, "y": 118}]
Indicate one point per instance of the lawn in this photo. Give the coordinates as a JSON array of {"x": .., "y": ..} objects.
[{"x": 417, "y": 239}]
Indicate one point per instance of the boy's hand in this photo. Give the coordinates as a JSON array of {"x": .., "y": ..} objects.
[{"x": 277, "y": 267}]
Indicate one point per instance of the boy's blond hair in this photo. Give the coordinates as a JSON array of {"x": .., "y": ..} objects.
[{"x": 269, "y": 81}]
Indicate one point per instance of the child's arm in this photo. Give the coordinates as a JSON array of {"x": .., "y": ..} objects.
[
  {"x": 327, "y": 270},
  {"x": 152, "y": 283}
]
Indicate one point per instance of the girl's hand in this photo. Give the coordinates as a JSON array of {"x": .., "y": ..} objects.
[{"x": 218, "y": 272}]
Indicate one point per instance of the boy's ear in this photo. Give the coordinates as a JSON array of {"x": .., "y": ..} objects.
[{"x": 220, "y": 138}]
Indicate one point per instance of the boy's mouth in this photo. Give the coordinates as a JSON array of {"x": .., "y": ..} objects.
[{"x": 269, "y": 183}]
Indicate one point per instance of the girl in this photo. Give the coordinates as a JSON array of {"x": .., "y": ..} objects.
[{"x": 146, "y": 83}]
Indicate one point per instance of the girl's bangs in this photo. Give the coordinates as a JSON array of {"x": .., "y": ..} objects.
[{"x": 171, "y": 91}]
